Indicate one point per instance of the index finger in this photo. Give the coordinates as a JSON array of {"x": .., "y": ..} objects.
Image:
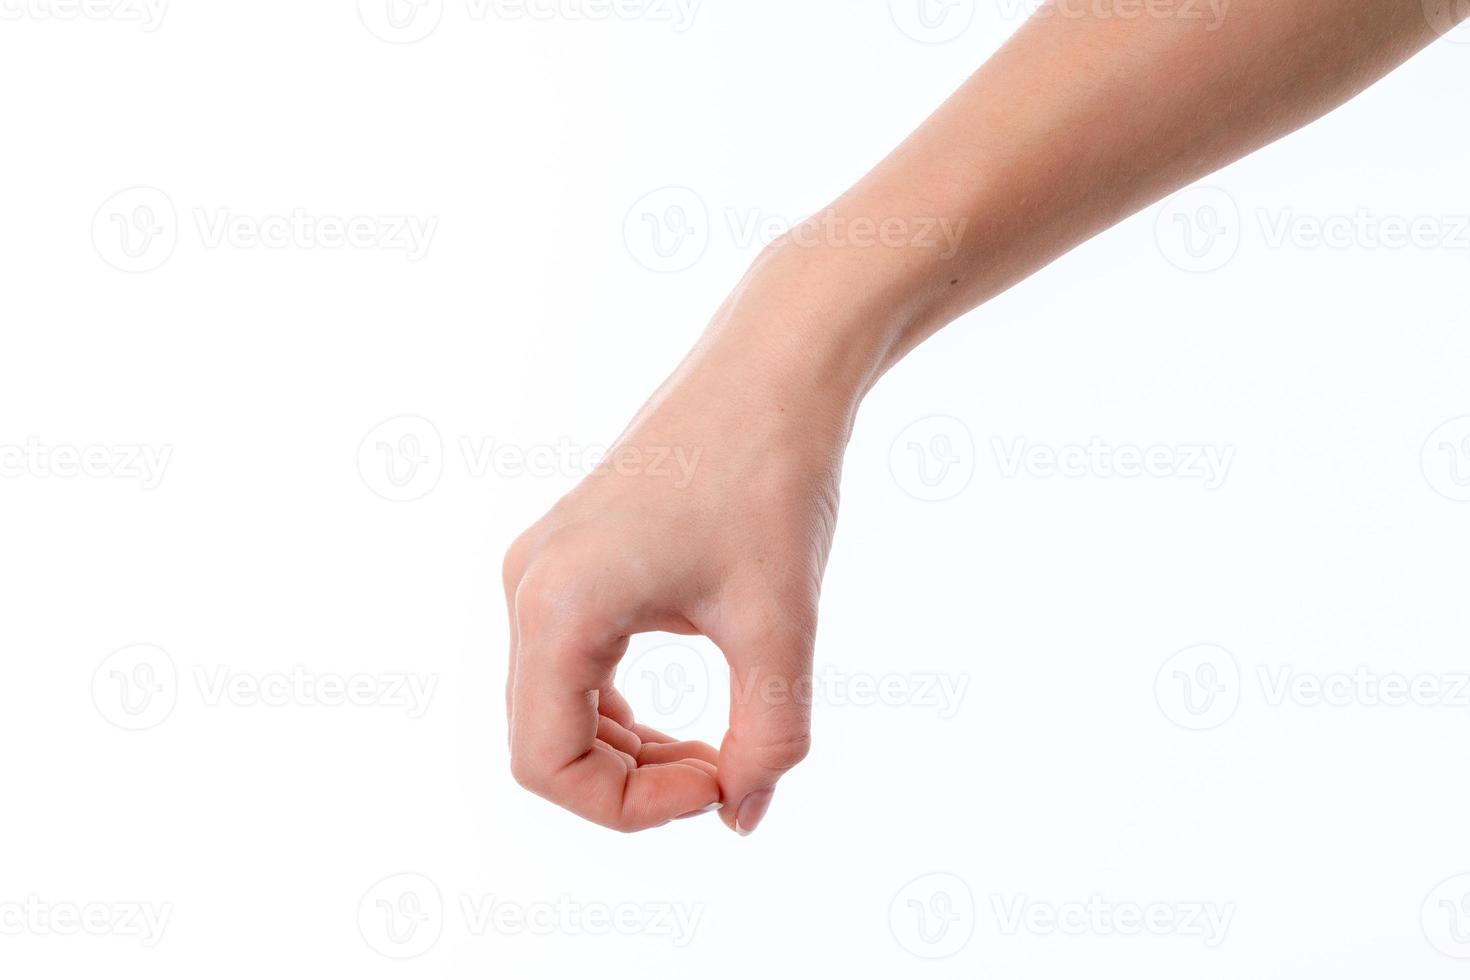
[{"x": 566, "y": 655}]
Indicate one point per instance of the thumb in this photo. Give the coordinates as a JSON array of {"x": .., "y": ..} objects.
[{"x": 770, "y": 717}]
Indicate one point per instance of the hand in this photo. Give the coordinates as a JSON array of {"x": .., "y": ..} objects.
[{"x": 712, "y": 515}]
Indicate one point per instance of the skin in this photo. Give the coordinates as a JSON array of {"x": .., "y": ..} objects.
[{"x": 1089, "y": 113}]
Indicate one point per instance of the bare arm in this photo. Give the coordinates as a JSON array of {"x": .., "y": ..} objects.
[{"x": 1076, "y": 123}]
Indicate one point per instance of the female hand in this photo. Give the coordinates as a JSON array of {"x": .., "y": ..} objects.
[{"x": 713, "y": 514}]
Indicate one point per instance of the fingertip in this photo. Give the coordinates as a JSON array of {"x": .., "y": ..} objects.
[{"x": 752, "y": 811}]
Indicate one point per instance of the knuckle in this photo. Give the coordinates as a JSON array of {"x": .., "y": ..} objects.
[
  {"x": 783, "y": 753},
  {"x": 565, "y": 596},
  {"x": 536, "y": 602},
  {"x": 517, "y": 558},
  {"x": 528, "y": 776},
  {"x": 546, "y": 591}
]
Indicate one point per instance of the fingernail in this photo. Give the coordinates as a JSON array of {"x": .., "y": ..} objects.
[
  {"x": 752, "y": 809},
  {"x": 704, "y": 809}
]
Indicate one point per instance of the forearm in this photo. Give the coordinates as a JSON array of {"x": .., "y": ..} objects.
[{"x": 1076, "y": 123}]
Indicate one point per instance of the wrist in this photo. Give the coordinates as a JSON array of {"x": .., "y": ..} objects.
[
  {"x": 822, "y": 316},
  {"x": 793, "y": 339}
]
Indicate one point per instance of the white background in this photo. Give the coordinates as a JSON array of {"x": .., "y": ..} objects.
[{"x": 275, "y": 543}]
